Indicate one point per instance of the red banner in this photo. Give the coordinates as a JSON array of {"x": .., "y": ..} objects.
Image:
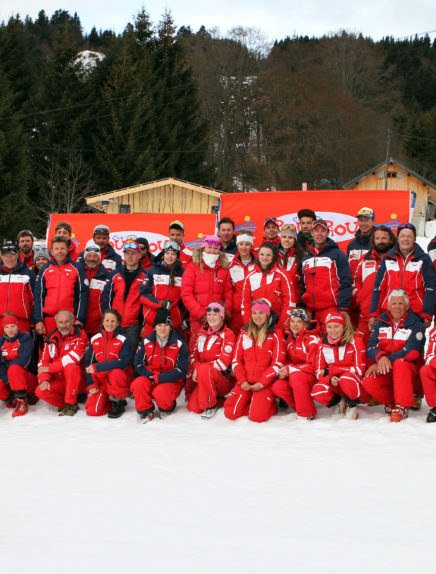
[
  {"x": 339, "y": 208},
  {"x": 152, "y": 226}
]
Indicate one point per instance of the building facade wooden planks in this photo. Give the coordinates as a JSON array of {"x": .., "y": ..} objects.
[{"x": 168, "y": 195}]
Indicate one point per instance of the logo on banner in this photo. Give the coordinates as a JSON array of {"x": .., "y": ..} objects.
[
  {"x": 342, "y": 226},
  {"x": 155, "y": 240}
]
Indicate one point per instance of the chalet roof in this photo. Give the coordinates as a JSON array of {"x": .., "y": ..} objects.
[
  {"x": 392, "y": 161},
  {"x": 151, "y": 185}
]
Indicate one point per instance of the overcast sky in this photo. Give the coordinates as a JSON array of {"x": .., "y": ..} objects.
[{"x": 276, "y": 18}]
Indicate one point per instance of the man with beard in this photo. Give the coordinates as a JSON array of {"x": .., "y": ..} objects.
[
  {"x": 25, "y": 244},
  {"x": 382, "y": 240}
]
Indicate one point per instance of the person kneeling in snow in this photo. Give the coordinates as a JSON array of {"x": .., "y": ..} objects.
[
  {"x": 260, "y": 353},
  {"x": 107, "y": 368},
  {"x": 395, "y": 347},
  {"x": 340, "y": 364},
  {"x": 60, "y": 373},
  {"x": 297, "y": 377},
  {"x": 16, "y": 382},
  {"x": 162, "y": 363},
  {"x": 211, "y": 359}
]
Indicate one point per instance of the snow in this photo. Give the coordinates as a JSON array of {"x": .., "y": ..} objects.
[{"x": 185, "y": 495}]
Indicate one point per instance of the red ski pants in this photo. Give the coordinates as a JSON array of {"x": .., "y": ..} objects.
[
  {"x": 350, "y": 385},
  {"x": 397, "y": 386},
  {"x": 258, "y": 405},
  {"x": 164, "y": 394},
  {"x": 64, "y": 386},
  {"x": 115, "y": 383},
  {"x": 210, "y": 385},
  {"x": 296, "y": 391},
  {"x": 20, "y": 379},
  {"x": 428, "y": 379}
]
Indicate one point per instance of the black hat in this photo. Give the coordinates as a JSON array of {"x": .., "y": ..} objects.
[
  {"x": 9, "y": 247},
  {"x": 163, "y": 316}
]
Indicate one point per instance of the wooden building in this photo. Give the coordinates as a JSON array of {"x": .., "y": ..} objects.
[
  {"x": 168, "y": 195},
  {"x": 399, "y": 176}
]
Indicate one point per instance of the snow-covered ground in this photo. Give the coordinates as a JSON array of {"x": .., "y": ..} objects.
[{"x": 184, "y": 495}]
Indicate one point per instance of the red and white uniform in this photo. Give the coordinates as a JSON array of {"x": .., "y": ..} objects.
[
  {"x": 168, "y": 364},
  {"x": 255, "y": 364},
  {"x": 201, "y": 285},
  {"x": 347, "y": 361},
  {"x": 290, "y": 267},
  {"x": 114, "y": 296},
  {"x": 185, "y": 255},
  {"x": 211, "y": 358},
  {"x": 97, "y": 279},
  {"x": 274, "y": 286},
  {"x": 403, "y": 344},
  {"x": 428, "y": 371},
  {"x": 110, "y": 353},
  {"x": 64, "y": 357},
  {"x": 363, "y": 286},
  {"x": 16, "y": 294},
  {"x": 16, "y": 353},
  {"x": 238, "y": 273},
  {"x": 296, "y": 388}
]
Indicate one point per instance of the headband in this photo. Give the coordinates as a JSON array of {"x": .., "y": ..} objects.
[
  {"x": 213, "y": 306},
  {"x": 335, "y": 318},
  {"x": 243, "y": 237},
  {"x": 10, "y": 320},
  {"x": 261, "y": 306}
]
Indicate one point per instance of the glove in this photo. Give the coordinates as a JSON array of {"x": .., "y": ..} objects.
[{"x": 166, "y": 304}]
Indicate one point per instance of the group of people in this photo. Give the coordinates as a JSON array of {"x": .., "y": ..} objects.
[{"x": 292, "y": 323}]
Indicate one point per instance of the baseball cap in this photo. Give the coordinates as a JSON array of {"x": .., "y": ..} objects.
[
  {"x": 101, "y": 229},
  {"x": 365, "y": 212},
  {"x": 9, "y": 247},
  {"x": 321, "y": 222}
]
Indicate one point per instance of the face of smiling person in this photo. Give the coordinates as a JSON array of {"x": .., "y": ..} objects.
[
  {"x": 162, "y": 330},
  {"x": 335, "y": 330},
  {"x": 271, "y": 230},
  {"x": 287, "y": 241},
  {"x": 406, "y": 241},
  {"x": 11, "y": 330},
  {"x": 296, "y": 325},
  {"x": 265, "y": 257},
  {"x": 259, "y": 318},
  {"x": 110, "y": 322},
  {"x": 170, "y": 257},
  {"x": 214, "y": 319},
  {"x": 226, "y": 232},
  {"x": 214, "y": 249},
  {"x": 244, "y": 249}
]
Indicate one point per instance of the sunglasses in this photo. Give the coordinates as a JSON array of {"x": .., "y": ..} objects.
[
  {"x": 213, "y": 309},
  {"x": 365, "y": 213},
  {"x": 288, "y": 227},
  {"x": 406, "y": 226},
  {"x": 274, "y": 219},
  {"x": 212, "y": 242},
  {"x": 131, "y": 245},
  {"x": 92, "y": 250}
]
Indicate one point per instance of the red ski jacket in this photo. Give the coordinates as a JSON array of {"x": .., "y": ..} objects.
[
  {"x": 97, "y": 278},
  {"x": 364, "y": 279},
  {"x": 108, "y": 351},
  {"x": 61, "y": 351},
  {"x": 202, "y": 285},
  {"x": 256, "y": 364},
  {"x": 430, "y": 356},
  {"x": 340, "y": 358},
  {"x": 214, "y": 347},
  {"x": 114, "y": 296},
  {"x": 17, "y": 350},
  {"x": 301, "y": 351},
  {"x": 274, "y": 286},
  {"x": 291, "y": 270},
  {"x": 156, "y": 288},
  {"x": 238, "y": 274},
  {"x": 169, "y": 363},
  {"x": 16, "y": 290}
]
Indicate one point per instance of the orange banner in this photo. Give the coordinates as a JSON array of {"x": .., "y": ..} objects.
[
  {"x": 338, "y": 207},
  {"x": 152, "y": 226}
]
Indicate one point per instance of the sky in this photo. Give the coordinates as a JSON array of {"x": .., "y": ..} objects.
[{"x": 277, "y": 19}]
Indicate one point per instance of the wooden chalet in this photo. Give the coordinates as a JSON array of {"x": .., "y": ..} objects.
[
  {"x": 168, "y": 195},
  {"x": 399, "y": 176}
]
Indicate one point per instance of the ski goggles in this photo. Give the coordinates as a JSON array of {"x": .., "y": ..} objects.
[
  {"x": 177, "y": 222},
  {"x": 132, "y": 246},
  {"x": 407, "y": 226},
  {"x": 171, "y": 246},
  {"x": 212, "y": 240},
  {"x": 300, "y": 314},
  {"x": 365, "y": 212}
]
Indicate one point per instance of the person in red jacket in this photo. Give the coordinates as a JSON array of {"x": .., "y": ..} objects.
[
  {"x": 107, "y": 368},
  {"x": 291, "y": 254},
  {"x": 259, "y": 355},
  {"x": 64, "y": 229},
  {"x": 395, "y": 349},
  {"x": 340, "y": 365},
  {"x": 206, "y": 279},
  {"x": 210, "y": 362},
  {"x": 268, "y": 281},
  {"x": 162, "y": 287},
  {"x": 162, "y": 364},
  {"x": 41, "y": 259},
  {"x": 271, "y": 231},
  {"x": 60, "y": 370},
  {"x": 122, "y": 292},
  {"x": 428, "y": 376},
  {"x": 242, "y": 264},
  {"x": 176, "y": 233},
  {"x": 297, "y": 376},
  {"x": 60, "y": 285},
  {"x": 16, "y": 350},
  {"x": 25, "y": 242},
  {"x": 17, "y": 283},
  {"x": 382, "y": 240},
  {"x": 97, "y": 276}
]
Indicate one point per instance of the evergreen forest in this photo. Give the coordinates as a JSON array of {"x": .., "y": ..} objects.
[{"x": 82, "y": 114}]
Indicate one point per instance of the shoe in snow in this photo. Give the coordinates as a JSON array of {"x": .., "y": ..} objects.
[
  {"x": 146, "y": 418},
  {"x": 21, "y": 408},
  {"x": 389, "y": 408},
  {"x": 431, "y": 417},
  {"x": 209, "y": 413},
  {"x": 339, "y": 409},
  {"x": 351, "y": 413},
  {"x": 417, "y": 402},
  {"x": 118, "y": 407},
  {"x": 69, "y": 410},
  {"x": 300, "y": 418},
  {"x": 398, "y": 414}
]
